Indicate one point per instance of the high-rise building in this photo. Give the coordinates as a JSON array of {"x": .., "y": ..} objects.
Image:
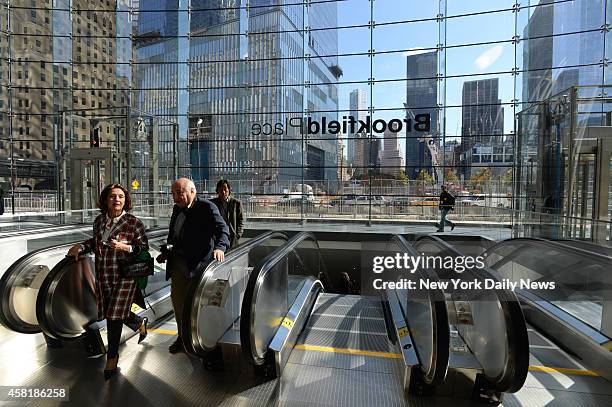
[
  {"x": 482, "y": 117},
  {"x": 537, "y": 54},
  {"x": 67, "y": 59},
  {"x": 367, "y": 154},
  {"x": 421, "y": 98},
  {"x": 235, "y": 82},
  {"x": 392, "y": 161},
  {"x": 357, "y": 109},
  {"x": 545, "y": 57}
]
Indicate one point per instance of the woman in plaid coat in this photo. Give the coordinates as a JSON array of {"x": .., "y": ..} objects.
[{"x": 117, "y": 234}]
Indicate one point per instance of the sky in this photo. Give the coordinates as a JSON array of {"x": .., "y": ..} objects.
[{"x": 484, "y": 60}]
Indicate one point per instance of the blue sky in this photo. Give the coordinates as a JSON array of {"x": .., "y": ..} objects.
[{"x": 479, "y": 59}]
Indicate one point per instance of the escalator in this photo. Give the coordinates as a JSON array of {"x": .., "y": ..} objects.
[
  {"x": 408, "y": 331},
  {"x": 49, "y": 292},
  {"x": 577, "y": 312},
  {"x": 212, "y": 305},
  {"x": 490, "y": 322},
  {"x": 355, "y": 325}
]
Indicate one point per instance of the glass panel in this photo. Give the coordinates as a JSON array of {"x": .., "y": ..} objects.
[
  {"x": 458, "y": 7},
  {"x": 492, "y": 27}
]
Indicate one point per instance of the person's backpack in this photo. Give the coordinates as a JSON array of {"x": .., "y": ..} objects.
[{"x": 451, "y": 199}]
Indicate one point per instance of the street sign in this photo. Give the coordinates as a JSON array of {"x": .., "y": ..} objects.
[{"x": 135, "y": 185}]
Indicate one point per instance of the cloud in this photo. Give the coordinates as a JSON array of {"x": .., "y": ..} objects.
[
  {"x": 417, "y": 51},
  {"x": 488, "y": 57}
]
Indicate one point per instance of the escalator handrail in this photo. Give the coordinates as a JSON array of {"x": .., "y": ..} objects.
[
  {"x": 49, "y": 229},
  {"x": 441, "y": 347},
  {"x": 256, "y": 279},
  {"x": 552, "y": 243},
  {"x": 195, "y": 290},
  {"x": 513, "y": 378}
]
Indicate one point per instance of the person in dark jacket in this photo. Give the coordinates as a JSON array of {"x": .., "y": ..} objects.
[
  {"x": 346, "y": 285},
  {"x": 446, "y": 205},
  {"x": 231, "y": 210},
  {"x": 116, "y": 234},
  {"x": 1, "y": 201},
  {"x": 196, "y": 235}
]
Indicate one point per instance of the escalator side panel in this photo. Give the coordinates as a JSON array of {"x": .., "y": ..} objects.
[
  {"x": 498, "y": 336},
  {"x": 66, "y": 303}
]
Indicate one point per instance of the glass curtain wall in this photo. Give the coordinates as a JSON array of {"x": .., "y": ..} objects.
[{"x": 319, "y": 109}]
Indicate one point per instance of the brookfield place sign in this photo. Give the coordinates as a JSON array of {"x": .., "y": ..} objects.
[{"x": 348, "y": 125}]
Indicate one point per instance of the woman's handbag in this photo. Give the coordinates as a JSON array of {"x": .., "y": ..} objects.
[{"x": 140, "y": 265}]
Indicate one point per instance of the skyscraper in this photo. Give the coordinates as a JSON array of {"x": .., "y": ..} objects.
[
  {"x": 545, "y": 56},
  {"x": 392, "y": 160},
  {"x": 537, "y": 54},
  {"x": 482, "y": 119},
  {"x": 357, "y": 106},
  {"x": 237, "y": 81},
  {"x": 66, "y": 58},
  {"x": 421, "y": 98}
]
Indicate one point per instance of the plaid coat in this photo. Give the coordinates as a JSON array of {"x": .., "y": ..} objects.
[{"x": 115, "y": 295}]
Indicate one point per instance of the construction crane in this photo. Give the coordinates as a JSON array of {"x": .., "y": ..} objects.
[
  {"x": 432, "y": 145},
  {"x": 434, "y": 151}
]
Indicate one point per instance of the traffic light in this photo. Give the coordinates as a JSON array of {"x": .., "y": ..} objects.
[
  {"x": 94, "y": 133},
  {"x": 94, "y": 138}
]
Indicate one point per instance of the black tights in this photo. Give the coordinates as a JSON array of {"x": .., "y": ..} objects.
[{"x": 114, "y": 328}]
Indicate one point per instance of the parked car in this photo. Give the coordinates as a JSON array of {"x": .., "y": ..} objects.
[
  {"x": 295, "y": 200},
  {"x": 471, "y": 200},
  {"x": 401, "y": 201},
  {"x": 352, "y": 199}
]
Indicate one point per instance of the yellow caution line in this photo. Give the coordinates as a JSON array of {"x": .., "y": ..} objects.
[
  {"x": 578, "y": 372},
  {"x": 349, "y": 351},
  {"x": 536, "y": 368},
  {"x": 163, "y": 331}
]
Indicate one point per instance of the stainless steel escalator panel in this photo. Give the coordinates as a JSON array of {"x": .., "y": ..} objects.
[
  {"x": 213, "y": 302},
  {"x": 66, "y": 302},
  {"x": 424, "y": 314},
  {"x": 69, "y": 301},
  {"x": 266, "y": 302},
  {"x": 20, "y": 285},
  {"x": 272, "y": 305},
  {"x": 498, "y": 336}
]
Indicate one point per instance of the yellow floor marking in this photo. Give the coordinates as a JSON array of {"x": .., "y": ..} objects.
[
  {"x": 389, "y": 355},
  {"x": 349, "y": 351},
  {"x": 563, "y": 370},
  {"x": 163, "y": 331}
]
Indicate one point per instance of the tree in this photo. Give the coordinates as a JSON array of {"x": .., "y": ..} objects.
[
  {"x": 424, "y": 176},
  {"x": 481, "y": 176},
  {"x": 451, "y": 176},
  {"x": 402, "y": 177}
]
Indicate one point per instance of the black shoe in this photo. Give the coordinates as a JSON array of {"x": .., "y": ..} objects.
[
  {"x": 440, "y": 230},
  {"x": 108, "y": 373},
  {"x": 452, "y": 227},
  {"x": 145, "y": 322},
  {"x": 176, "y": 347}
]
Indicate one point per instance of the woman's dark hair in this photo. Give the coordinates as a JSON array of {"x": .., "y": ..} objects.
[
  {"x": 103, "y": 204},
  {"x": 221, "y": 183}
]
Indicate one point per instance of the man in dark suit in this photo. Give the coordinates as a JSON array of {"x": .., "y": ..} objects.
[
  {"x": 231, "y": 210},
  {"x": 197, "y": 234}
]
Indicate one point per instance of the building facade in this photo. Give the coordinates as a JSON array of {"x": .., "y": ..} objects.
[
  {"x": 358, "y": 109},
  {"x": 421, "y": 98},
  {"x": 482, "y": 120},
  {"x": 392, "y": 161}
]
